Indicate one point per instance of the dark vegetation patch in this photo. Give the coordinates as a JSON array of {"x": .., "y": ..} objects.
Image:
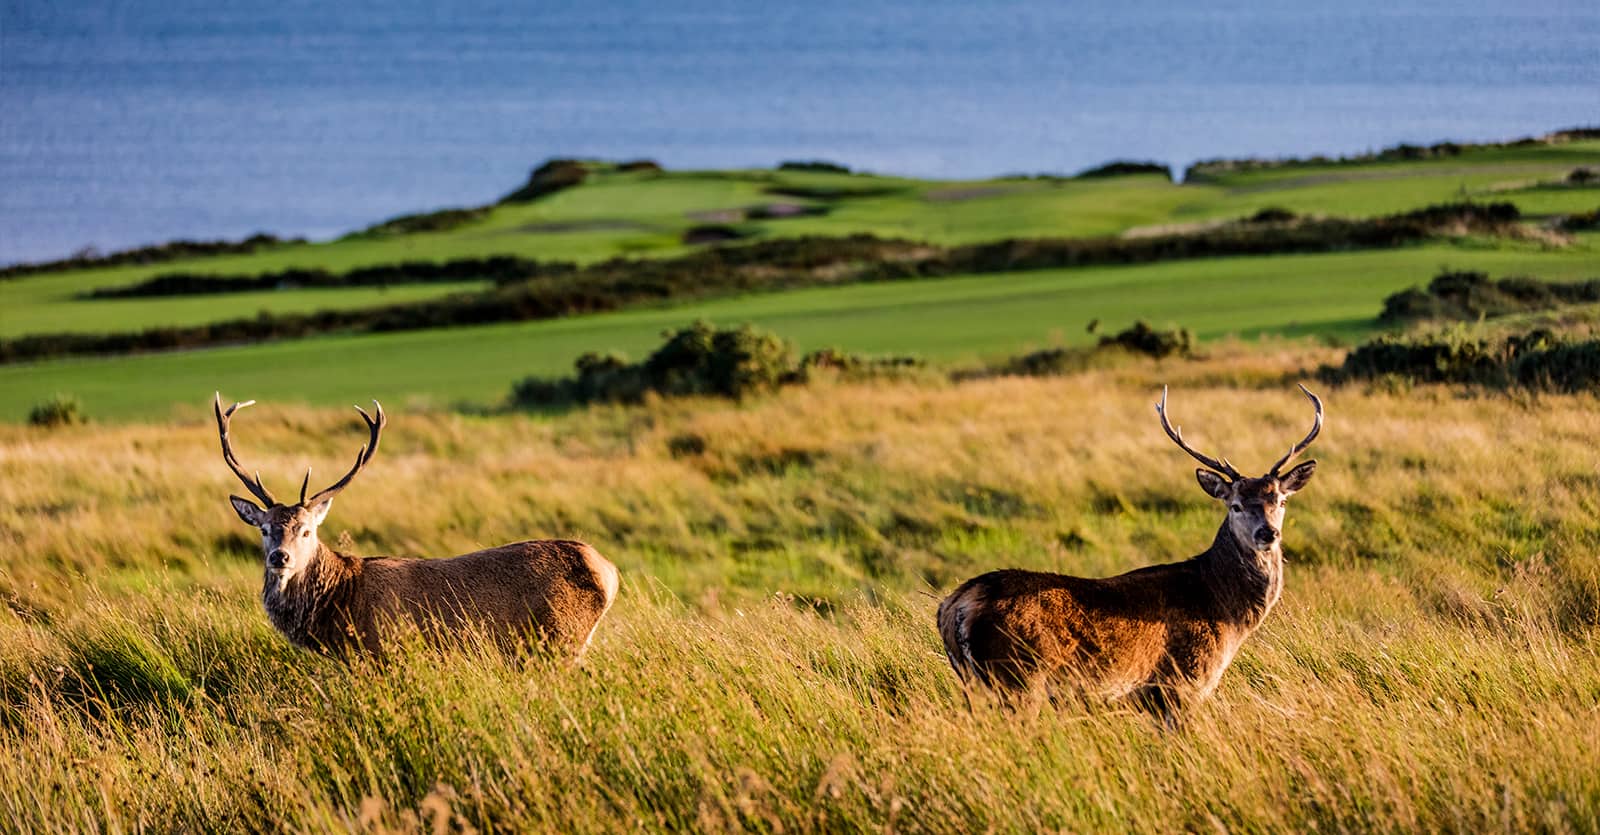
[
  {"x": 60, "y": 410},
  {"x": 439, "y": 221},
  {"x": 1583, "y": 176},
  {"x": 499, "y": 269},
  {"x": 636, "y": 165},
  {"x": 1536, "y": 359},
  {"x": 780, "y": 264},
  {"x": 1210, "y": 168},
  {"x": 1139, "y": 340},
  {"x": 1272, "y": 214},
  {"x": 89, "y": 258},
  {"x": 712, "y": 233},
  {"x": 553, "y": 176},
  {"x": 1581, "y": 222},
  {"x": 836, "y": 190},
  {"x": 697, "y": 360},
  {"x": 1470, "y": 295},
  {"x": 1123, "y": 168},
  {"x": 820, "y": 166},
  {"x": 781, "y": 211}
]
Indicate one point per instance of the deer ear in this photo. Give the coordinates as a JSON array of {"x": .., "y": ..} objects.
[
  {"x": 1296, "y": 479},
  {"x": 247, "y": 510},
  {"x": 1214, "y": 485},
  {"x": 319, "y": 511}
]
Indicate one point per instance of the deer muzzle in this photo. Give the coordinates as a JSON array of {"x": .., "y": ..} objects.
[
  {"x": 1266, "y": 536},
  {"x": 278, "y": 559}
]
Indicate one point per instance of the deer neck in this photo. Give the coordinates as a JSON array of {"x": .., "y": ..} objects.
[
  {"x": 299, "y": 604},
  {"x": 1245, "y": 581}
]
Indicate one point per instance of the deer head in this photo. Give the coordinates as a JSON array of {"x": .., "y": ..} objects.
[
  {"x": 1255, "y": 505},
  {"x": 289, "y": 532}
]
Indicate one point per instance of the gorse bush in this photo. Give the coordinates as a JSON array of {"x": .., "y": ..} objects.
[
  {"x": 1469, "y": 295},
  {"x": 1536, "y": 359},
  {"x": 700, "y": 359},
  {"x": 171, "y": 251},
  {"x": 1123, "y": 168},
  {"x": 1140, "y": 340},
  {"x": 61, "y": 410},
  {"x": 552, "y": 176}
]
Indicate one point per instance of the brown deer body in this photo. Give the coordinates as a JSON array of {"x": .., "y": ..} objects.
[
  {"x": 549, "y": 591},
  {"x": 1161, "y": 635}
]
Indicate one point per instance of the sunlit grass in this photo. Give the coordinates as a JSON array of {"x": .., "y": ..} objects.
[{"x": 771, "y": 661}]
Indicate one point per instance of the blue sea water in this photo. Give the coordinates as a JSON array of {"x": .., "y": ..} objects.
[{"x": 139, "y": 121}]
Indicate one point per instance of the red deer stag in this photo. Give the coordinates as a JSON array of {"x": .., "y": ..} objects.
[
  {"x": 1159, "y": 636},
  {"x": 550, "y": 590}
]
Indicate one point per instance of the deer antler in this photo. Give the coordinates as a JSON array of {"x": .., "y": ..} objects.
[
  {"x": 1176, "y": 435},
  {"x": 253, "y": 484},
  {"x": 1316, "y": 427},
  {"x": 365, "y": 455}
]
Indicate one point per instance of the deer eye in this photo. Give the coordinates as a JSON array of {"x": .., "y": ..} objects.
[
  {"x": 305, "y": 533},
  {"x": 1238, "y": 508}
]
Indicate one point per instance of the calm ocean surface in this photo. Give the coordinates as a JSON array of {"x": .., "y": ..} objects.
[{"x": 132, "y": 122}]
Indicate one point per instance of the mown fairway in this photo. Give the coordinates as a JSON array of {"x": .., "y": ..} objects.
[
  {"x": 772, "y": 664},
  {"x": 646, "y": 214},
  {"x": 949, "y": 320}
]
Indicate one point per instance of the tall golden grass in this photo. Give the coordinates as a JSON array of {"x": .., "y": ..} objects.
[{"x": 771, "y": 663}]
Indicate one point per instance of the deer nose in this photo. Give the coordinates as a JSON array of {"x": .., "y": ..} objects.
[
  {"x": 1266, "y": 535},
  {"x": 278, "y": 558}
]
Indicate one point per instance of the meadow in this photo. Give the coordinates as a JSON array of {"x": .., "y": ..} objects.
[{"x": 771, "y": 663}]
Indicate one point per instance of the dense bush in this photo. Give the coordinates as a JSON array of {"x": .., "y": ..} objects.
[
  {"x": 632, "y": 165},
  {"x": 1143, "y": 339},
  {"x": 1122, "y": 167},
  {"x": 553, "y": 176},
  {"x": 1536, "y": 359},
  {"x": 61, "y": 410},
  {"x": 699, "y": 360},
  {"x": 779, "y": 264},
  {"x": 1271, "y": 214},
  {"x": 816, "y": 165},
  {"x": 696, "y": 360},
  {"x": 1140, "y": 339},
  {"x": 1582, "y": 176},
  {"x": 1581, "y": 222},
  {"x": 1472, "y": 295},
  {"x": 171, "y": 251},
  {"x": 711, "y": 233}
]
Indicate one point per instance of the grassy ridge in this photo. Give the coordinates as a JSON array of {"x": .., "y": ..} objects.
[
  {"x": 646, "y": 213},
  {"x": 947, "y": 320},
  {"x": 772, "y": 663}
]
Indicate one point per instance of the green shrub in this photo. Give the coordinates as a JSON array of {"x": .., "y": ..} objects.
[
  {"x": 700, "y": 360},
  {"x": 816, "y": 165},
  {"x": 1272, "y": 214},
  {"x": 1536, "y": 359},
  {"x": 1122, "y": 168},
  {"x": 1469, "y": 295},
  {"x": 1139, "y": 339},
  {"x": 61, "y": 410},
  {"x": 1143, "y": 339},
  {"x": 553, "y": 176},
  {"x": 1581, "y": 221}
]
